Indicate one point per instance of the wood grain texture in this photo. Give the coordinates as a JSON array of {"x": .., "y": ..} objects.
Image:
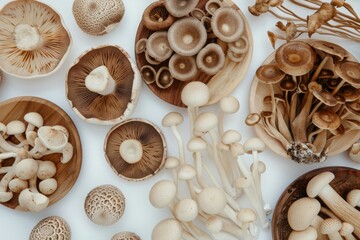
[
  {"x": 67, "y": 174},
  {"x": 346, "y": 179},
  {"x": 221, "y": 84}
]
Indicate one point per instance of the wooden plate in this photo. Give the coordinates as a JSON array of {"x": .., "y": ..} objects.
[
  {"x": 66, "y": 175},
  {"x": 345, "y": 180},
  {"x": 221, "y": 84}
]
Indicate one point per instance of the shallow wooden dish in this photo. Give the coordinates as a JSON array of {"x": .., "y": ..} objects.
[
  {"x": 345, "y": 180},
  {"x": 259, "y": 90},
  {"x": 221, "y": 84},
  {"x": 66, "y": 174}
]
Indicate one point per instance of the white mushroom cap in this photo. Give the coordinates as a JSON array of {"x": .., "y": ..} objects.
[
  {"x": 254, "y": 144},
  {"x": 15, "y": 127},
  {"x": 317, "y": 183},
  {"x": 51, "y": 228},
  {"x": 67, "y": 153},
  {"x": 246, "y": 215},
  {"x": 214, "y": 224},
  {"x": 26, "y": 169},
  {"x": 302, "y": 212},
  {"x": 48, "y": 186},
  {"x": 6, "y": 196},
  {"x": 52, "y": 138},
  {"x": 229, "y": 104},
  {"x": 162, "y": 193},
  {"x": 353, "y": 198},
  {"x": 354, "y": 153},
  {"x": 330, "y": 225},
  {"x": 230, "y": 137},
  {"x": 237, "y": 149},
  {"x": 309, "y": 233},
  {"x": 171, "y": 162},
  {"x": 186, "y": 210},
  {"x": 346, "y": 229},
  {"x": 212, "y": 200},
  {"x": 34, "y": 118},
  {"x": 205, "y": 122},
  {"x": 195, "y": 94},
  {"x": 168, "y": 229},
  {"x": 196, "y": 144},
  {"x": 33, "y": 202},
  {"x": 171, "y": 119},
  {"x": 16, "y": 185},
  {"x": 46, "y": 169},
  {"x": 186, "y": 172}
]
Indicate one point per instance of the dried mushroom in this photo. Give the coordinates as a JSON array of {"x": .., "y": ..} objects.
[
  {"x": 33, "y": 39},
  {"x": 103, "y": 85},
  {"x": 157, "y": 46},
  {"x": 156, "y": 17},
  {"x": 135, "y": 149},
  {"x": 125, "y": 236},
  {"x": 51, "y": 228},
  {"x": 180, "y": 8},
  {"x": 98, "y": 17},
  {"x": 163, "y": 78},
  {"x": 105, "y": 205},
  {"x": 211, "y": 59},
  {"x": 183, "y": 68},
  {"x": 227, "y": 24}
]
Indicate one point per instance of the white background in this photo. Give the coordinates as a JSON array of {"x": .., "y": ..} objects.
[{"x": 140, "y": 216}]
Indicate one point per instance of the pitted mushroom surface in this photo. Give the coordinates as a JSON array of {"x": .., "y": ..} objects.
[
  {"x": 125, "y": 236},
  {"x": 51, "y": 228}
]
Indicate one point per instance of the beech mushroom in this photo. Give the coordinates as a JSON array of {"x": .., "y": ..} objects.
[
  {"x": 180, "y": 8},
  {"x": 354, "y": 153},
  {"x": 162, "y": 193},
  {"x": 186, "y": 210},
  {"x": 353, "y": 198},
  {"x": 148, "y": 73},
  {"x": 187, "y": 36},
  {"x": 103, "y": 85},
  {"x": 135, "y": 149},
  {"x": 48, "y": 186},
  {"x": 227, "y": 24},
  {"x": 98, "y": 17},
  {"x": 163, "y": 78},
  {"x": 211, "y": 59},
  {"x": 34, "y": 120},
  {"x": 104, "y": 205},
  {"x": 183, "y": 68},
  {"x": 308, "y": 234},
  {"x": 157, "y": 46},
  {"x": 51, "y": 228},
  {"x": 156, "y": 17},
  {"x": 125, "y": 236},
  {"x": 34, "y": 37},
  {"x": 346, "y": 231},
  {"x": 348, "y": 72},
  {"x": 331, "y": 227},
  {"x": 240, "y": 46},
  {"x": 169, "y": 229},
  {"x": 32, "y": 201}
]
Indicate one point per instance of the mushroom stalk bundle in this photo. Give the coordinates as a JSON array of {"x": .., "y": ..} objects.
[
  {"x": 214, "y": 194},
  {"x": 334, "y": 18}
]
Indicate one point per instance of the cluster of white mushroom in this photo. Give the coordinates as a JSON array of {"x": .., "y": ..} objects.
[
  {"x": 29, "y": 176},
  {"x": 214, "y": 195},
  {"x": 343, "y": 217}
]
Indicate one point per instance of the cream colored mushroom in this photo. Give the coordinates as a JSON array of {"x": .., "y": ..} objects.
[
  {"x": 16, "y": 185},
  {"x": 162, "y": 193},
  {"x": 16, "y": 128},
  {"x": 186, "y": 210},
  {"x": 354, "y": 153},
  {"x": 227, "y": 24},
  {"x": 308, "y": 234},
  {"x": 32, "y": 201},
  {"x": 46, "y": 169},
  {"x": 34, "y": 120},
  {"x": 26, "y": 169},
  {"x": 51, "y": 228},
  {"x": 48, "y": 186},
  {"x": 331, "y": 227},
  {"x": 52, "y": 138},
  {"x": 125, "y": 236}
]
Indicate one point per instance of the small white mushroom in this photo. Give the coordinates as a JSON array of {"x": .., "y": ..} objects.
[
  {"x": 33, "y": 202},
  {"x": 170, "y": 229},
  {"x": 163, "y": 193},
  {"x": 223, "y": 230},
  {"x": 347, "y": 230},
  {"x": 196, "y": 145},
  {"x": 46, "y": 169},
  {"x": 34, "y": 120},
  {"x": 100, "y": 81},
  {"x": 308, "y": 234},
  {"x": 353, "y": 198},
  {"x": 26, "y": 169},
  {"x": 247, "y": 217},
  {"x": 4, "y": 145},
  {"x": 354, "y": 153},
  {"x": 67, "y": 153},
  {"x": 331, "y": 227},
  {"x": 16, "y": 185},
  {"x": 52, "y": 138},
  {"x": 228, "y": 105},
  {"x": 186, "y": 210},
  {"x": 16, "y": 128},
  {"x": 48, "y": 186}
]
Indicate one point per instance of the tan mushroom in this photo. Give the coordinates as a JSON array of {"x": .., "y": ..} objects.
[
  {"x": 156, "y": 17},
  {"x": 227, "y": 24},
  {"x": 163, "y": 78},
  {"x": 148, "y": 74},
  {"x": 135, "y": 149},
  {"x": 51, "y": 228},
  {"x": 34, "y": 37},
  {"x": 105, "y": 205},
  {"x": 140, "y": 46},
  {"x": 180, "y": 8},
  {"x": 212, "y": 5},
  {"x": 157, "y": 46},
  {"x": 125, "y": 236},
  {"x": 103, "y": 85},
  {"x": 183, "y": 68},
  {"x": 349, "y": 72},
  {"x": 97, "y": 17},
  {"x": 211, "y": 59},
  {"x": 197, "y": 13},
  {"x": 240, "y": 46}
]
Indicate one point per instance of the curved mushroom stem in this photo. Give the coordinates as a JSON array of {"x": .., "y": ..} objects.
[
  {"x": 180, "y": 143},
  {"x": 7, "y": 147},
  {"x": 27, "y": 37},
  {"x": 67, "y": 153},
  {"x": 100, "y": 81},
  {"x": 319, "y": 68},
  {"x": 131, "y": 151},
  {"x": 338, "y": 87},
  {"x": 198, "y": 167}
]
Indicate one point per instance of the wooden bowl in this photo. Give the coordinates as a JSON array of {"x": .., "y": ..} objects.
[
  {"x": 345, "y": 180},
  {"x": 66, "y": 174},
  {"x": 221, "y": 84}
]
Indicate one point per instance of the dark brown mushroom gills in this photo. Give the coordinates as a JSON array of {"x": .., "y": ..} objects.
[{"x": 156, "y": 17}]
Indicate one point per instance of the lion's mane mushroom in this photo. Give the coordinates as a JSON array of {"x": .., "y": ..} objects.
[
  {"x": 135, "y": 149},
  {"x": 180, "y": 8},
  {"x": 156, "y": 17},
  {"x": 34, "y": 37},
  {"x": 227, "y": 24},
  {"x": 97, "y": 17},
  {"x": 104, "y": 205},
  {"x": 125, "y": 236},
  {"x": 51, "y": 228},
  {"x": 103, "y": 85}
]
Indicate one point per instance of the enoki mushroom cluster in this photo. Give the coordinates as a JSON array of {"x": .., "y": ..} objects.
[
  {"x": 186, "y": 41},
  {"x": 212, "y": 196}
]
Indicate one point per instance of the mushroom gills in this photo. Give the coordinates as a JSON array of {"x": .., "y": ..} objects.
[{"x": 100, "y": 81}]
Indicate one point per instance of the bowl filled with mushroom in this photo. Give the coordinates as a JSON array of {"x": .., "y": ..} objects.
[{"x": 40, "y": 153}]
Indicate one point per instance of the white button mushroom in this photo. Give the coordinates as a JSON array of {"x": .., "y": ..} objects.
[
  {"x": 308, "y": 234},
  {"x": 347, "y": 230},
  {"x": 26, "y": 169},
  {"x": 48, "y": 186},
  {"x": 186, "y": 210},
  {"x": 163, "y": 193},
  {"x": 16, "y": 185},
  {"x": 46, "y": 169},
  {"x": 353, "y": 198},
  {"x": 34, "y": 120},
  {"x": 169, "y": 229},
  {"x": 52, "y": 138},
  {"x": 33, "y": 202}
]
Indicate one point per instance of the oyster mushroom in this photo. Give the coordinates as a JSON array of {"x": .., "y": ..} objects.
[
  {"x": 135, "y": 149},
  {"x": 125, "y": 236},
  {"x": 227, "y": 24},
  {"x": 34, "y": 37},
  {"x": 187, "y": 36},
  {"x": 157, "y": 46},
  {"x": 97, "y": 17},
  {"x": 183, "y": 68},
  {"x": 53, "y": 227},
  {"x": 156, "y": 17},
  {"x": 148, "y": 73},
  {"x": 104, "y": 205},
  {"x": 211, "y": 59},
  {"x": 163, "y": 78},
  {"x": 180, "y": 8},
  {"x": 103, "y": 85}
]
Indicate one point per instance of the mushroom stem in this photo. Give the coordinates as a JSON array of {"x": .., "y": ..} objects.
[
  {"x": 6, "y": 146},
  {"x": 4, "y": 170},
  {"x": 131, "y": 151},
  {"x": 338, "y": 87},
  {"x": 27, "y": 38},
  {"x": 100, "y": 81},
  {"x": 180, "y": 144},
  {"x": 321, "y": 65}
]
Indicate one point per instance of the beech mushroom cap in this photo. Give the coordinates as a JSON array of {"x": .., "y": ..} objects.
[
  {"x": 103, "y": 85},
  {"x": 148, "y": 73},
  {"x": 187, "y": 36},
  {"x": 195, "y": 94},
  {"x": 180, "y": 8},
  {"x": 254, "y": 144},
  {"x": 163, "y": 78},
  {"x": 156, "y": 17},
  {"x": 162, "y": 193},
  {"x": 98, "y": 17},
  {"x": 212, "y": 200},
  {"x": 353, "y": 107},
  {"x": 196, "y": 144},
  {"x": 230, "y": 137},
  {"x": 349, "y": 72},
  {"x": 172, "y": 119},
  {"x": 330, "y": 225},
  {"x": 309, "y": 233},
  {"x": 183, "y": 68},
  {"x": 148, "y": 146},
  {"x": 34, "y": 37},
  {"x": 167, "y": 229},
  {"x": 229, "y": 104},
  {"x": 34, "y": 119},
  {"x": 287, "y": 84},
  {"x": 252, "y": 119},
  {"x": 325, "y": 119},
  {"x": 353, "y": 198},
  {"x": 214, "y": 224},
  {"x": 332, "y": 49},
  {"x": 211, "y": 59},
  {"x": 171, "y": 162},
  {"x": 186, "y": 172},
  {"x": 125, "y": 236},
  {"x": 186, "y": 210},
  {"x": 158, "y": 46},
  {"x": 317, "y": 183},
  {"x": 354, "y": 153},
  {"x": 197, "y": 13},
  {"x": 53, "y": 227},
  {"x": 269, "y": 74},
  {"x": 227, "y": 24},
  {"x": 212, "y": 6},
  {"x": 346, "y": 230},
  {"x": 205, "y": 121},
  {"x": 26, "y": 169},
  {"x": 302, "y": 212},
  {"x": 15, "y": 127},
  {"x": 104, "y": 205},
  {"x": 295, "y": 58}
]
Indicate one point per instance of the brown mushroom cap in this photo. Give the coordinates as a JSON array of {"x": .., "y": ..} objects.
[
  {"x": 182, "y": 68},
  {"x": 163, "y": 78},
  {"x": 180, "y": 8},
  {"x": 197, "y": 13},
  {"x": 295, "y": 58},
  {"x": 240, "y": 46},
  {"x": 49, "y": 39},
  {"x": 212, "y": 5},
  {"x": 325, "y": 119},
  {"x": 252, "y": 119},
  {"x": 227, "y": 24},
  {"x": 156, "y": 17},
  {"x": 98, "y": 17},
  {"x": 153, "y": 147},
  {"x": 148, "y": 73},
  {"x": 349, "y": 93},
  {"x": 104, "y": 109},
  {"x": 51, "y": 228},
  {"x": 269, "y": 74},
  {"x": 140, "y": 46},
  {"x": 187, "y": 36},
  {"x": 158, "y": 46},
  {"x": 349, "y": 72},
  {"x": 211, "y": 59},
  {"x": 353, "y": 107},
  {"x": 325, "y": 97},
  {"x": 104, "y": 205},
  {"x": 125, "y": 236},
  {"x": 330, "y": 48}
]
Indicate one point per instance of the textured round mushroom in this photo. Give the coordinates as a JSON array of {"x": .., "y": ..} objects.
[
  {"x": 97, "y": 17},
  {"x": 183, "y": 68},
  {"x": 163, "y": 78},
  {"x": 51, "y": 228},
  {"x": 227, "y": 24},
  {"x": 211, "y": 59},
  {"x": 148, "y": 74},
  {"x": 150, "y": 144},
  {"x": 34, "y": 37},
  {"x": 157, "y": 46},
  {"x": 156, "y": 17},
  {"x": 103, "y": 85},
  {"x": 125, "y": 236},
  {"x": 180, "y": 8},
  {"x": 187, "y": 36},
  {"x": 104, "y": 205}
]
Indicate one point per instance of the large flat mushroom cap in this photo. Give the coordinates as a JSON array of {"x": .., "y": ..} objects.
[
  {"x": 106, "y": 109},
  {"x": 153, "y": 149},
  {"x": 33, "y": 39}
]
